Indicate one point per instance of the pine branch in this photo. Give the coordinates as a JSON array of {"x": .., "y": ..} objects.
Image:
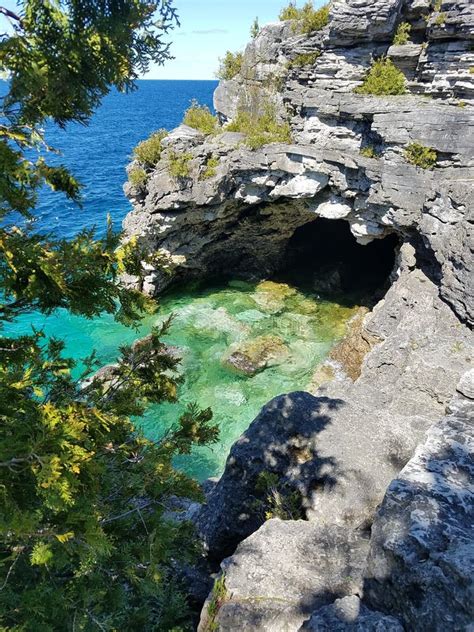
[{"x": 11, "y": 16}]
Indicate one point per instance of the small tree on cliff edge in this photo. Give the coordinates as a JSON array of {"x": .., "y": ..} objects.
[{"x": 83, "y": 541}]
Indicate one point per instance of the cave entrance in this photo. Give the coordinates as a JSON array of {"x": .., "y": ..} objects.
[{"x": 323, "y": 256}]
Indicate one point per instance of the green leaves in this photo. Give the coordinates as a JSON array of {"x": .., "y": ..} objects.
[
  {"x": 82, "y": 491},
  {"x": 61, "y": 60},
  {"x": 83, "y": 538},
  {"x": 383, "y": 79},
  {"x": 41, "y": 554},
  {"x": 81, "y": 275}
]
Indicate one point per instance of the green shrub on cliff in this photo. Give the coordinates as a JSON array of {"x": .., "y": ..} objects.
[
  {"x": 210, "y": 171},
  {"x": 421, "y": 156},
  {"x": 200, "y": 117},
  {"x": 216, "y": 601},
  {"x": 137, "y": 176},
  {"x": 402, "y": 34},
  {"x": 369, "y": 151},
  {"x": 307, "y": 19},
  {"x": 276, "y": 499},
  {"x": 304, "y": 59},
  {"x": 178, "y": 164},
  {"x": 254, "y": 29},
  {"x": 383, "y": 79},
  {"x": 148, "y": 152},
  {"x": 314, "y": 19},
  {"x": 290, "y": 12},
  {"x": 261, "y": 130},
  {"x": 229, "y": 66}
]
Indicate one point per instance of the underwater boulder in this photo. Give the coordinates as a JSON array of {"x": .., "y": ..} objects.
[
  {"x": 271, "y": 296},
  {"x": 252, "y": 356}
]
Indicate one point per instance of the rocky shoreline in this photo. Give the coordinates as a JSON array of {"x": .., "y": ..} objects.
[{"x": 379, "y": 456}]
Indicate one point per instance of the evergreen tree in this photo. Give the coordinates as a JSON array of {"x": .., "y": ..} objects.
[
  {"x": 84, "y": 543},
  {"x": 254, "y": 29}
]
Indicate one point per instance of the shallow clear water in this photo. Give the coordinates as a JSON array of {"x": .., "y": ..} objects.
[{"x": 209, "y": 323}]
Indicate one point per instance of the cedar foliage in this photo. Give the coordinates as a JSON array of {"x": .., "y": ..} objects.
[
  {"x": 383, "y": 79},
  {"x": 230, "y": 65},
  {"x": 84, "y": 543}
]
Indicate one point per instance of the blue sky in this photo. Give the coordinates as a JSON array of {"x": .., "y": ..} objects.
[{"x": 208, "y": 29}]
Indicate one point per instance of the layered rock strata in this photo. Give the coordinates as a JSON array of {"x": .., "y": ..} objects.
[
  {"x": 240, "y": 219},
  {"x": 339, "y": 448}
]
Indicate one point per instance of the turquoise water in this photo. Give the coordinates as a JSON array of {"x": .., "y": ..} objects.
[{"x": 209, "y": 324}]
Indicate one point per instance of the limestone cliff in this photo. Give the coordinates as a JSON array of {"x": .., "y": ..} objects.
[
  {"x": 241, "y": 218},
  {"x": 340, "y": 447}
]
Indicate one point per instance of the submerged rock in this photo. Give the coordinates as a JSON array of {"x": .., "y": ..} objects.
[
  {"x": 252, "y": 356},
  {"x": 271, "y": 296},
  {"x": 210, "y": 322}
]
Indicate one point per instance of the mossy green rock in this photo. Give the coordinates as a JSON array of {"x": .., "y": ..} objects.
[
  {"x": 255, "y": 355},
  {"x": 270, "y": 296}
]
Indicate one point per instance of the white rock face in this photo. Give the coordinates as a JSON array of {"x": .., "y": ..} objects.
[
  {"x": 333, "y": 209},
  {"x": 304, "y": 185}
]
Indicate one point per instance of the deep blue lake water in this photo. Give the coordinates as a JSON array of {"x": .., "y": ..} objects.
[{"x": 98, "y": 153}]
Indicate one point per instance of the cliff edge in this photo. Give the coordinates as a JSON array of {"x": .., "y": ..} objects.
[{"x": 375, "y": 129}]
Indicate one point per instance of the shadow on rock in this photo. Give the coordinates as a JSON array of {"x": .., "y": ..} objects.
[{"x": 280, "y": 446}]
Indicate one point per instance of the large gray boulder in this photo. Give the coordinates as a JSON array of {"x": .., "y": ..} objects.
[
  {"x": 283, "y": 572},
  {"x": 354, "y": 21},
  {"x": 280, "y": 439},
  {"x": 421, "y": 558}
]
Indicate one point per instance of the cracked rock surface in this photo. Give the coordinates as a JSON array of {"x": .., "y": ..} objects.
[{"x": 390, "y": 449}]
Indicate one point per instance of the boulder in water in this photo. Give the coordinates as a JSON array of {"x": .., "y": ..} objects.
[
  {"x": 255, "y": 355},
  {"x": 271, "y": 296}
]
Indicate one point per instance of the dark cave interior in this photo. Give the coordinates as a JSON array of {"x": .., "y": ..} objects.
[{"x": 324, "y": 256}]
